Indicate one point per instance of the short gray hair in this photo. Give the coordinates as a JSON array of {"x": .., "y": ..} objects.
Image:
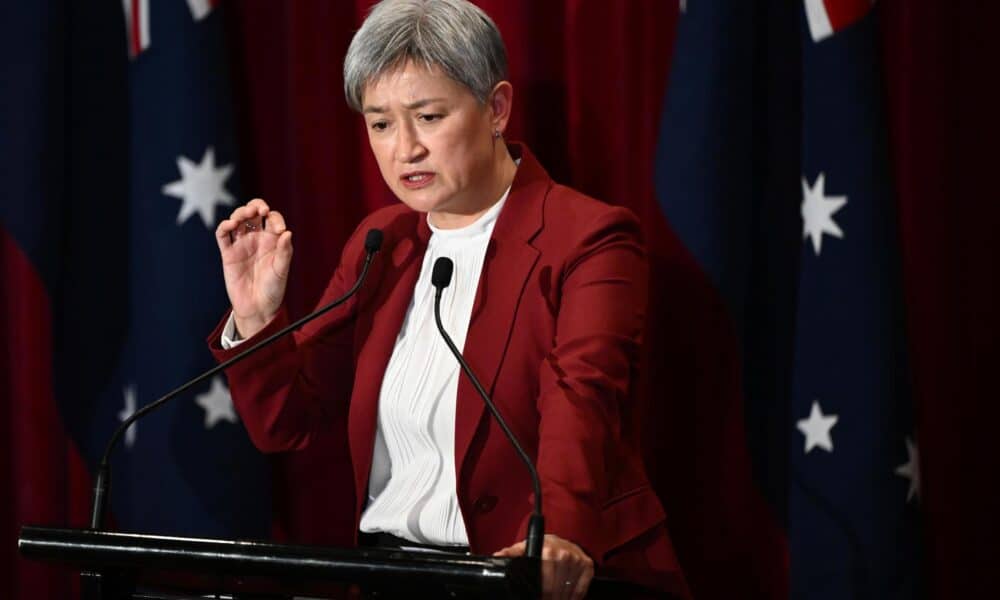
[{"x": 454, "y": 35}]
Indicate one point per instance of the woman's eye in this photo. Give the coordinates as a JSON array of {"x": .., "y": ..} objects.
[
  {"x": 430, "y": 117},
  {"x": 379, "y": 125}
]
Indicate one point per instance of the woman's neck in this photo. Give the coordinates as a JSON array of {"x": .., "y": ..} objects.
[{"x": 501, "y": 178}]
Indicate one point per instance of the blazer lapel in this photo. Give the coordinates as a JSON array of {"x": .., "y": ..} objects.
[{"x": 510, "y": 259}]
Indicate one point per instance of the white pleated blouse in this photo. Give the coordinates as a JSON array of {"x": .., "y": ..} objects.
[{"x": 412, "y": 486}]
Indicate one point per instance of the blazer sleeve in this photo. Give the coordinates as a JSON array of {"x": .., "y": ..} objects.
[
  {"x": 298, "y": 386},
  {"x": 585, "y": 380}
]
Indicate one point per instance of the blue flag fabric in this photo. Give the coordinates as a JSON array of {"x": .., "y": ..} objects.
[
  {"x": 854, "y": 492},
  {"x": 120, "y": 160},
  {"x": 726, "y": 178},
  {"x": 64, "y": 161},
  {"x": 190, "y": 468},
  {"x": 772, "y": 169}
]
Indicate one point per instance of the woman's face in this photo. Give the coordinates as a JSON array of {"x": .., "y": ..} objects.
[{"x": 433, "y": 140}]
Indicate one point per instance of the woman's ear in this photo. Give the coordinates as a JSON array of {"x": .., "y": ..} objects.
[{"x": 500, "y": 101}]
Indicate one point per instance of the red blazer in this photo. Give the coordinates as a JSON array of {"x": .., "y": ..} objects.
[{"x": 554, "y": 337}]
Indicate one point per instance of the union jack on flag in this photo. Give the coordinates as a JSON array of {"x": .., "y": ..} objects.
[
  {"x": 137, "y": 20},
  {"x": 826, "y": 17}
]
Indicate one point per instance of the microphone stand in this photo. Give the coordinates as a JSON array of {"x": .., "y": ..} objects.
[{"x": 441, "y": 278}]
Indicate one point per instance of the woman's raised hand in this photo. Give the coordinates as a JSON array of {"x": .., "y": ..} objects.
[{"x": 256, "y": 252}]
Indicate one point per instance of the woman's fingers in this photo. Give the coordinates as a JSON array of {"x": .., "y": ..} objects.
[
  {"x": 572, "y": 570},
  {"x": 223, "y": 234},
  {"x": 568, "y": 575},
  {"x": 566, "y": 568},
  {"x": 550, "y": 585},
  {"x": 583, "y": 582},
  {"x": 275, "y": 223},
  {"x": 251, "y": 210},
  {"x": 511, "y": 551},
  {"x": 248, "y": 218},
  {"x": 283, "y": 256},
  {"x": 258, "y": 205},
  {"x": 252, "y": 217}
]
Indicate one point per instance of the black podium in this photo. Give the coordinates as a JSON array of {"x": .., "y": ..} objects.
[{"x": 117, "y": 566}]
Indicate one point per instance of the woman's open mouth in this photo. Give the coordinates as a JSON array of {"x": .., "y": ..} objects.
[{"x": 416, "y": 179}]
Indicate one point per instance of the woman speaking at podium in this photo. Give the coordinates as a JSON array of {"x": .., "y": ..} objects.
[{"x": 547, "y": 303}]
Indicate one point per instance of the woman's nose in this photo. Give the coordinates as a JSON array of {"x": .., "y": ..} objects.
[{"x": 408, "y": 146}]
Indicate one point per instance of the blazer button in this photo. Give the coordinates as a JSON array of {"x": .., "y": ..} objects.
[{"x": 485, "y": 504}]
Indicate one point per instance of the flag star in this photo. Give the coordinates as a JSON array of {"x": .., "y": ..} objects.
[
  {"x": 218, "y": 404},
  {"x": 200, "y": 187},
  {"x": 129, "y": 393},
  {"x": 817, "y": 428},
  {"x": 911, "y": 470},
  {"x": 817, "y": 212}
]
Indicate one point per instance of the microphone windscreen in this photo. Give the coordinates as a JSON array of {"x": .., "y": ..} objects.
[
  {"x": 373, "y": 241},
  {"x": 441, "y": 275}
]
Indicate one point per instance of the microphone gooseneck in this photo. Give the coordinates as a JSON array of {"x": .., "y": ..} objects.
[
  {"x": 102, "y": 482},
  {"x": 440, "y": 279}
]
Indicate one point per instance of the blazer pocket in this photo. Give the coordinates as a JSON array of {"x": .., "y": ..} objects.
[{"x": 629, "y": 515}]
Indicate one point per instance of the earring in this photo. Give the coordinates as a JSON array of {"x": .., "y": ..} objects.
[{"x": 496, "y": 134}]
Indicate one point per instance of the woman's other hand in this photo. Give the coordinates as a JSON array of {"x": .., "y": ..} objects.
[
  {"x": 566, "y": 568},
  {"x": 256, "y": 250}
]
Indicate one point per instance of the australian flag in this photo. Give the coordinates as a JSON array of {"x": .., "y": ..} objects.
[
  {"x": 773, "y": 169},
  {"x": 191, "y": 469},
  {"x": 128, "y": 163},
  {"x": 855, "y": 483}
]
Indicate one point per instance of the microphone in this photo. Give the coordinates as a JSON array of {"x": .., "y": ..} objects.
[
  {"x": 440, "y": 279},
  {"x": 102, "y": 483}
]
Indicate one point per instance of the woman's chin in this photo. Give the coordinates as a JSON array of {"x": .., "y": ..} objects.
[{"x": 419, "y": 202}]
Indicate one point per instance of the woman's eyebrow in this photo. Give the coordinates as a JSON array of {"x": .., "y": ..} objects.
[
  {"x": 410, "y": 106},
  {"x": 421, "y": 103}
]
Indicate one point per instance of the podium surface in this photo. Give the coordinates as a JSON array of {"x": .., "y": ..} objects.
[{"x": 130, "y": 565}]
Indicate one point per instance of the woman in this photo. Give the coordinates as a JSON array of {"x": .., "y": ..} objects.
[{"x": 547, "y": 299}]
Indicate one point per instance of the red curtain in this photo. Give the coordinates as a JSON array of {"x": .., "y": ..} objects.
[{"x": 941, "y": 58}]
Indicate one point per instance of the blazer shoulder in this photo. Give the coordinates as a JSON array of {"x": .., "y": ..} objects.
[
  {"x": 574, "y": 212},
  {"x": 387, "y": 214}
]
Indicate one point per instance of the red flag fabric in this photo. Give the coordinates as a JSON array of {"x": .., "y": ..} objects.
[{"x": 43, "y": 476}]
